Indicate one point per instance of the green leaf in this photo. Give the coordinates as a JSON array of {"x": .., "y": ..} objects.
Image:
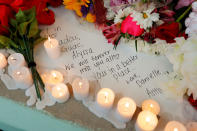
[
  {"x": 7, "y": 42},
  {"x": 39, "y": 41},
  {"x": 23, "y": 28},
  {"x": 33, "y": 30},
  {"x": 20, "y": 16},
  {"x": 30, "y": 14},
  {"x": 13, "y": 22}
]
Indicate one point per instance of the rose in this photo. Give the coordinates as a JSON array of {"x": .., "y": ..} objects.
[
  {"x": 168, "y": 31},
  {"x": 5, "y": 14},
  {"x": 129, "y": 26}
]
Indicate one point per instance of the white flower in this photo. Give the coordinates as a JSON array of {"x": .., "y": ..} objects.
[
  {"x": 183, "y": 56},
  {"x": 191, "y": 21},
  {"x": 121, "y": 14},
  {"x": 146, "y": 18},
  {"x": 110, "y": 14}
]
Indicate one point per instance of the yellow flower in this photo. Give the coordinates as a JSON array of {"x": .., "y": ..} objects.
[
  {"x": 85, "y": 2},
  {"x": 74, "y": 5},
  {"x": 91, "y": 18}
]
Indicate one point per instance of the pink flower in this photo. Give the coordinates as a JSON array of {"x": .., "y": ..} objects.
[
  {"x": 112, "y": 33},
  {"x": 183, "y": 3},
  {"x": 129, "y": 26}
]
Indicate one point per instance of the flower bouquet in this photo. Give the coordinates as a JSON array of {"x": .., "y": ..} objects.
[{"x": 24, "y": 35}]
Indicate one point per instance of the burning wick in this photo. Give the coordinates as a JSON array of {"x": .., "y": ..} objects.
[{"x": 80, "y": 84}]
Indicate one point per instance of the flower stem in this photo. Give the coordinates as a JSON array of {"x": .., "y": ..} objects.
[
  {"x": 35, "y": 82},
  {"x": 184, "y": 14}
]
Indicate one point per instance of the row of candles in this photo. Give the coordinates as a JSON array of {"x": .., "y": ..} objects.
[{"x": 146, "y": 121}]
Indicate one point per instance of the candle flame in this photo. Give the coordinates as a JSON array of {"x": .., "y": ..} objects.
[
  {"x": 49, "y": 39},
  {"x": 106, "y": 97},
  {"x": 54, "y": 75},
  {"x": 127, "y": 105},
  {"x": 151, "y": 105},
  {"x": 80, "y": 84},
  {"x": 175, "y": 129},
  {"x": 148, "y": 119},
  {"x": 18, "y": 73}
]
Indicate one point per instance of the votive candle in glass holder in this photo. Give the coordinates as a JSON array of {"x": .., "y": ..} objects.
[
  {"x": 105, "y": 99},
  {"x": 175, "y": 126},
  {"x": 52, "y": 48},
  {"x": 22, "y": 77},
  {"x": 15, "y": 61},
  {"x": 80, "y": 88},
  {"x": 146, "y": 121},
  {"x": 60, "y": 93},
  {"x": 3, "y": 61},
  {"x": 125, "y": 109},
  {"x": 151, "y": 105}
]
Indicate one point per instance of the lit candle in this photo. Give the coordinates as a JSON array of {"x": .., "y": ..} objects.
[
  {"x": 3, "y": 61},
  {"x": 105, "y": 99},
  {"x": 175, "y": 126},
  {"x": 191, "y": 126},
  {"x": 52, "y": 48},
  {"x": 151, "y": 105},
  {"x": 15, "y": 61},
  {"x": 146, "y": 121},
  {"x": 55, "y": 77},
  {"x": 125, "y": 109},
  {"x": 22, "y": 77},
  {"x": 80, "y": 88},
  {"x": 60, "y": 93}
]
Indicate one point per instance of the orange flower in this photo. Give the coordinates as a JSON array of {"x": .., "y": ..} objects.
[
  {"x": 73, "y": 5},
  {"x": 91, "y": 18}
]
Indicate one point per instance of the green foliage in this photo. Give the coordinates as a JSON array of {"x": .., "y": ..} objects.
[
  {"x": 24, "y": 26},
  {"x": 24, "y": 35}
]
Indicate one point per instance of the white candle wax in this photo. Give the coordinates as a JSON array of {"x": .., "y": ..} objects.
[
  {"x": 52, "y": 48},
  {"x": 151, "y": 105},
  {"x": 80, "y": 88},
  {"x": 60, "y": 93},
  {"x": 175, "y": 126},
  {"x": 15, "y": 61},
  {"x": 56, "y": 77},
  {"x": 125, "y": 109},
  {"x": 105, "y": 99},
  {"x": 146, "y": 121},
  {"x": 3, "y": 61},
  {"x": 22, "y": 77}
]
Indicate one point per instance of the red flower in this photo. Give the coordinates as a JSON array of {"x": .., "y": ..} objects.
[
  {"x": 168, "y": 31},
  {"x": 165, "y": 14},
  {"x": 5, "y": 14},
  {"x": 192, "y": 101},
  {"x": 112, "y": 33},
  {"x": 43, "y": 14},
  {"x": 55, "y": 3}
]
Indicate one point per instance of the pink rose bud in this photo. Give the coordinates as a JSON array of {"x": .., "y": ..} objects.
[{"x": 129, "y": 26}]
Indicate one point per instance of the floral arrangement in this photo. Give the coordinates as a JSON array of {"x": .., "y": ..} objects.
[{"x": 159, "y": 27}]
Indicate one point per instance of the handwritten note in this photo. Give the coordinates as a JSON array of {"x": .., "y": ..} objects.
[{"x": 85, "y": 52}]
